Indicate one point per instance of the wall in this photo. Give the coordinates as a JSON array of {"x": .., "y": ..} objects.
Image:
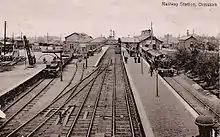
[
  {"x": 148, "y": 42},
  {"x": 188, "y": 42}
]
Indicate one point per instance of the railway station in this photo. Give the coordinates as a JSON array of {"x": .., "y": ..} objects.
[
  {"x": 83, "y": 85},
  {"x": 108, "y": 90}
]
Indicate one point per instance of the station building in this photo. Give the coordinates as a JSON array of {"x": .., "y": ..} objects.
[
  {"x": 75, "y": 41},
  {"x": 150, "y": 42},
  {"x": 145, "y": 41}
]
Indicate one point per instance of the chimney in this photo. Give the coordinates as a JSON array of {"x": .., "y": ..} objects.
[
  {"x": 187, "y": 33},
  {"x": 149, "y": 32}
]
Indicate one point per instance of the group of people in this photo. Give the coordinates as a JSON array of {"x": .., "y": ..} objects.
[{"x": 151, "y": 69}]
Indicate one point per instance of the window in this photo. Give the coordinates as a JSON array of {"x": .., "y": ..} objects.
[
  {"x": 154, "y": 46},
  {"x": 191, "y": 44}
]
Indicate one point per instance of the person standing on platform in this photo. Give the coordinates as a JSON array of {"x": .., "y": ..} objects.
[
  {"x": 44, "y": 60},
  {"x": 123, "y": 53},
  {"x": 126, "y": 59},
  {"x": 135, "y": 59},
  {"x": 151, "y": 70}
]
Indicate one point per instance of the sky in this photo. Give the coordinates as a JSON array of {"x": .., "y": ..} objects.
[{"x": 97, "y": 17}]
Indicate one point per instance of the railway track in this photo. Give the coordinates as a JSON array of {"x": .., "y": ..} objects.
[
  {"x": 127, "y": 120},
  {"x": 192, "y": 99},
  {"x": 64, "y": 116},
  {"x": 16, "y": 110},
  {"x": 107, "y": 108},
  {"x": 38, "y": 120},
  {"x": 101, "y": 104}
]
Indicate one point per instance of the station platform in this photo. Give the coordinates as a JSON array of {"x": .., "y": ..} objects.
[
  {"x": 93, "y": 61},
  {"x": 164, "y": 116},
  {"x": 18, "y": 75}
]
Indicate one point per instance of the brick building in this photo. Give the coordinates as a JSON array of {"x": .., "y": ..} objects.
[
  {"x": 187, "y": 41},
  {"x": 73, "y": 41}
]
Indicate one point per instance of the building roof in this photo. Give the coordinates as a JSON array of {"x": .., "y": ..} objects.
[
  {"x": 186, "y": 37},
  {"x": 81, "y": 34},
  {"x": 137, "y": 39},
  {"x": 129, "y": 40},
  {"x": 82, "y": 37},
  {"x": 143, "y": 37},
  {"x": 99, "y": 39}
]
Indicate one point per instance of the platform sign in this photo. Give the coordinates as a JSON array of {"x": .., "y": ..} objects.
[{"x": 52, "y": 51}]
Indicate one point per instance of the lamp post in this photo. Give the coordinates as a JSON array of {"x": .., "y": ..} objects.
[
  {"x": 142, "y": 71},
  {"x": 86, "y": 61},
  {"x": 157, "y": 93},
  {"x": 141, "y": 58},
  {"x": 156, "y": 61},
  {"x": 61, "y": 67},
  {"x": 5, "y": 31}
]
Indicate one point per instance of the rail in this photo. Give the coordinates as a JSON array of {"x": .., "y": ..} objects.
[
  {"x": 206, "y": 106},
  {"x": 82, "y": 104},
  {"x": 39, "y": 93},
  {"x": 55, "y": 100}
]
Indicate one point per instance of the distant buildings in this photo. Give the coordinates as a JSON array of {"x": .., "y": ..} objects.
[
  {"x": 8, "y": 47},
  {"x": 97, "y": 42},
  {"x": 19, "y": 43},
  {"x": 74, "y": 42},
  {"x": 11, "y": 44},
  {"x": 188, "y": 41}
]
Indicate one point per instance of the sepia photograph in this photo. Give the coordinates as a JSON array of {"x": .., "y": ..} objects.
[{"x": 109, "y": 68}]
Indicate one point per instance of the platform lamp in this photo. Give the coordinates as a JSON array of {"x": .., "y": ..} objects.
[
  {"x": 156, "y": 61},
  {"x": 61, "y": 67},
  {"x": 140, "y": 53}
]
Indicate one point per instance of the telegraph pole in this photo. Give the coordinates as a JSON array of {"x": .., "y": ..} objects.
[
  {"x": 156, "y": 61},
  {"x": 142, "y": 71},
  {"x": 86, "y": 59},
  {"x": 35, "y": 39},
  {"x": 5, "y": 35},
  {"x": 61, "y": 67},
  {"x": 141, "y": 58},
  {"x": 12, "y": 38},
  {"x": 47, "y": 38},
  {"x": 21, "y": 36},
  {"x": 60, "y": 38},
  {"x": 157, "y": 93},
  {"x": 151, "y": 35}
]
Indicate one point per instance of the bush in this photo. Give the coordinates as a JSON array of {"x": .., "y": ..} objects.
[{"x": 199, "y": 64}]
